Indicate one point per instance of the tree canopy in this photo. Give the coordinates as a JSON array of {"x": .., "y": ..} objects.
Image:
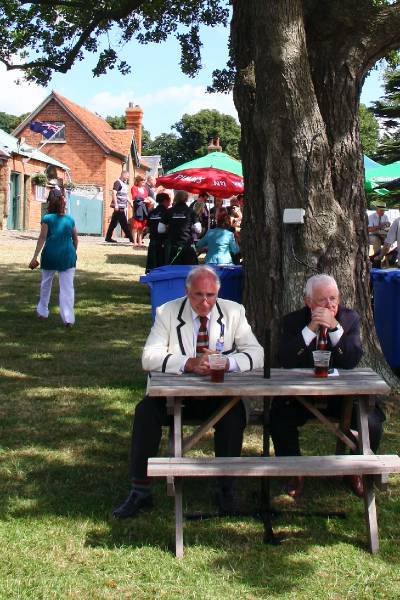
[
  {"x": 42, "y": 36},
  {"x": 9, "y": 122},
  {"x": 369, "y": 130},
  {"x": 387, "y": 109},
  {"x": 191, "y": 140}
]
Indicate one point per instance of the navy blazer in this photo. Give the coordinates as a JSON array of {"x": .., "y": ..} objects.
[{"x": 293, "y": 352}]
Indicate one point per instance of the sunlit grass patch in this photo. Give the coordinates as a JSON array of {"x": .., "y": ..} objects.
[{"x": 64, "y": 454}]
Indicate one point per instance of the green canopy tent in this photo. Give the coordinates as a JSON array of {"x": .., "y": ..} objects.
[
  {"x": 213, "y": 160},
  {"x": 382, "y": 174},
  {"x": 383, "y": 181}
]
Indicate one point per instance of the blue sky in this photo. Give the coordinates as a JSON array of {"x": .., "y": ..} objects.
[{"x": 156, "y": 84}]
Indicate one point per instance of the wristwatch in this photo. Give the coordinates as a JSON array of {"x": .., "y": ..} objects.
[{"x": 334, "y": 329}]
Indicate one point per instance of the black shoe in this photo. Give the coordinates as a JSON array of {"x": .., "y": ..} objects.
[
  {"x": 132, "y": 505},
  {"x": 111, "y": 241},
  {"x": 225, "y": 501}
]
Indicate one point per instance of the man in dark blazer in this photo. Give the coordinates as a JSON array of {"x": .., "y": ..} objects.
[
  {"x": 299, "y": 336},
  {"x": 172, "y": 347}
]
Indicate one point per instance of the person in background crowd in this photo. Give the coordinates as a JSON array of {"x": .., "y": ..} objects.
[
  {"x": 119, "y": 204},
  {"x": 392, "y": 237},
  {"x": 140, "y": 211},
  {"x": 180, "y": 223},
  {"x": 235, "y": 212},
  {"x": 220, "y": 242},
  {"x": 214, "y": 212},
  {"x": 297, "y": 341},
  {"x": 180, "y": 341},
  {"x": 150, "y": 186},
  {"x": 378, "y": 226},
  {"x": 59, "y": 237},
  {"x": 156, "y": 254},
  {"x": 202, "y": 212}
]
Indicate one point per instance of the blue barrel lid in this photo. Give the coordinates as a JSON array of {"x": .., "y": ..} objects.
[
  {"x": 385, "y": 275},
  {"x": 181, "y": 271}
]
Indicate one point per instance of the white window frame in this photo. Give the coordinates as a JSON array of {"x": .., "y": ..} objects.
[{"x": 40, "y": 193}]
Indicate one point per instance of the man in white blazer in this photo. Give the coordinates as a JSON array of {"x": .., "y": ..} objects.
[{"x": 171, "y": 348}]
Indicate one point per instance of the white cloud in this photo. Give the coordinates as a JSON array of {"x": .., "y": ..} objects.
[
  {"x": 105, "y": 103},
  {"x": 18, "y": 99},
  {"x": 185, "y": 99}
]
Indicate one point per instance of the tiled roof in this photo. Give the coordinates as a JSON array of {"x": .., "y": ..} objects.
[
  {"x": 116, "y": 141},
  {"x": 110, "y": 138}
]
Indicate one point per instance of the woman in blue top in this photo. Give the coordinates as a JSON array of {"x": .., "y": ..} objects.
[
  {"x": 59, "y": 237},
  {"x": 220, "y": 242}
]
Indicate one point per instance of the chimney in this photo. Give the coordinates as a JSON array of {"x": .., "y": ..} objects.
[
  {"x": 214, "y": 146},
  {"x": 134, "y": 118}
]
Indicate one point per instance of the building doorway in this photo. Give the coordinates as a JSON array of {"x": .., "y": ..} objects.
[{"x": 15, "y": 197}]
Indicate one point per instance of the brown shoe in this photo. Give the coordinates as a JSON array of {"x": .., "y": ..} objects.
[
  {"x": 356, "y": 485},
  {"x": 295, "y": 487}
]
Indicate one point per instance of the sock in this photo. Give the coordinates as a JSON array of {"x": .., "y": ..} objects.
[{"x": 141, "y": 487}]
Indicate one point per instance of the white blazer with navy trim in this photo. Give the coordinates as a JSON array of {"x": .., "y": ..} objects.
[{"x": 171, "y": 338}]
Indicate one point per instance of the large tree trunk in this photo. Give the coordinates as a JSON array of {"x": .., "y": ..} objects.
[{"x": 298, "y": 102}]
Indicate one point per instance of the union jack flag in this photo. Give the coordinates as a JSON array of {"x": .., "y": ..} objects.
[{"x": 46, "y": 129}]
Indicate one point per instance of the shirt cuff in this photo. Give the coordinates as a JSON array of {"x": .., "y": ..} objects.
[
  {"x": 308, "y": 335},
  {"x": 233, "y": 366},
  {"x": 336, "y": 335},
  {"x": 183, "y": 364}
]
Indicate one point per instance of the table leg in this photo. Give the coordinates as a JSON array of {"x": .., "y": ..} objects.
[
  {"x": 269, "y": 537},
  {"x": 368, "y": 481},
  {"x": 178, "y": 518},
  {"x": 177, "y": 451},
  {"x": 344, "y": 423}
]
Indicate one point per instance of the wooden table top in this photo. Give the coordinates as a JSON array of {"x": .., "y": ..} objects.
[{"x": 283, "y": 382}]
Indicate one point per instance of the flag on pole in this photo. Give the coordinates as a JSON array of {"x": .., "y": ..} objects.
[{"x": 48, "y": 130}]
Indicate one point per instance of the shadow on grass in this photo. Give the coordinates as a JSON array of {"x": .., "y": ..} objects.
[
  {"x": 65, "y": 412},
  {"x": 124, "y": 259}
]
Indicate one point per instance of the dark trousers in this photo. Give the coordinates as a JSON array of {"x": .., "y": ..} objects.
[
  {"x": 151, "y": 415},
  {"x": 182, "y": 255},
  {"x": 287, "y": 415},
  {"x": 119, "y": 216},
  {"x": 155, "y": 255}
]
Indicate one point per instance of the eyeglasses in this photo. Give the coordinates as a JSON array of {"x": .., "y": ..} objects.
[
  {"x": 326, "y": 301},
  {"x": 199, "y": 296}
]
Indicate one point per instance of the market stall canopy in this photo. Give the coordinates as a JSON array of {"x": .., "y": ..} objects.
[
  {"x": 221, "y": 184},
  {"x": 369, "y": 163},
  {"x": 213, "y": 160},
  {"x": 383, "y": 174}
]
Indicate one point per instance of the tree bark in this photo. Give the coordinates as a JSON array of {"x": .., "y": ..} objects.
[{"x": 297, "y": 93}]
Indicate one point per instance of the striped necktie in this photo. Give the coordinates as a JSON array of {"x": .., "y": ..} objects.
[{"x": 202, "y": 336}]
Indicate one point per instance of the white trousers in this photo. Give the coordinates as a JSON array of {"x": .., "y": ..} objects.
[{"x": 66, "y": 297}]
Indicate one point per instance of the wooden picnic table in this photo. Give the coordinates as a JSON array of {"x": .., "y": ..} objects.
[{"x": 361, "y": 383}]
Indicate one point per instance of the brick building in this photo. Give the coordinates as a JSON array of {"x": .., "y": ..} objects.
[
  {"x": 21, "y": 195},
  {"x": 94, "y": 151}
]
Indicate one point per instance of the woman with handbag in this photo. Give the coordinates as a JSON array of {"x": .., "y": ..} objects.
[{"x": 59, "y": 240}]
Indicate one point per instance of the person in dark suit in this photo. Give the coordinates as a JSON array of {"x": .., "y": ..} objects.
[
  {"x": 185, "y": 331},
  {"x": 299, "y": 334},
  {"x": 156, "y": 253}
]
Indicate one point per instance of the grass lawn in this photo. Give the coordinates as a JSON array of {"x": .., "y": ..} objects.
[{"x": 66, "y": 404}]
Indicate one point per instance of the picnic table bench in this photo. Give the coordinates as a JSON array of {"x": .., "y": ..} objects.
[{"x": 359, "y": 383}]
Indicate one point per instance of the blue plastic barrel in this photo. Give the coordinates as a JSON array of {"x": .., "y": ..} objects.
[
  {"x": 386, "y": 286},
  {"x": 168, "y": 283}
]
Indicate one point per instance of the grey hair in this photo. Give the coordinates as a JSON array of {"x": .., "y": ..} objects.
[
  {"x": 318, "y": 280},
  {"x": 202, "y": 271}
]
